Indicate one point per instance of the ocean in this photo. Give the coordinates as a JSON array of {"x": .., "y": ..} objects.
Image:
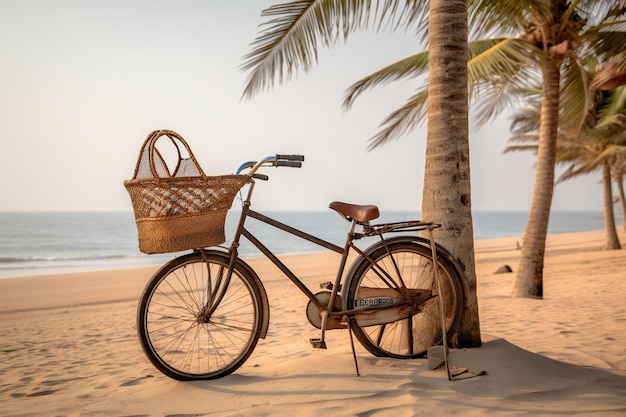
[{"x": 42, "y": 243}]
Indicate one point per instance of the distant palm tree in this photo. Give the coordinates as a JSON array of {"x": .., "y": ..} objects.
[
  {"x": 604, "y": 148},
  {"x": 600, "y": 145},
  {"x": 611, "y": 74},
  {"x": 619, "y": 170},
  {"x": 590, "y": 155},
  {"x": 289, "y": 43}
]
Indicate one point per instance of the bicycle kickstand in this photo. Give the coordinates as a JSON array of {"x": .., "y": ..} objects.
[
  {"x": 321, "y": 342},
  {"x": 356, "y": 362},
  {"x": 433, "y": 247}
]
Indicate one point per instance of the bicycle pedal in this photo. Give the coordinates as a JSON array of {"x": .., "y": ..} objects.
[
  {"x": 329, "y": 286},
  {"x": 318, "y": 343}
]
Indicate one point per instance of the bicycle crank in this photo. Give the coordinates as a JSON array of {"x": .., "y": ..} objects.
[{"x": 314, "y": 311}]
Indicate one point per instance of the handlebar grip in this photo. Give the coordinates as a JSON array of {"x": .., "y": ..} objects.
[
  {"x": 290, "y": 157},
  {"x": 293, "y": 164}
]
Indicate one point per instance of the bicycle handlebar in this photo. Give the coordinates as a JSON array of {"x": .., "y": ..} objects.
[
  {"x": 290, "y": 157},
  {"x": 293, "y": 164},
  {"x": 278, "y": 160}
]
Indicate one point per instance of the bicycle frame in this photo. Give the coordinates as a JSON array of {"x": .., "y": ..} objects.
[
  {"x": 242, "y": 231},
  {"x": 343, "y": 251}
]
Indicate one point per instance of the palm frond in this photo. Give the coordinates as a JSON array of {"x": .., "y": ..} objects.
[
  {"x": 290, "y": 39},
  {"x": 611, "y": 73},
  {"x": 408, "y": 117},
  {"x": 503, "y": 17},
  {"x": 527, "y": 138},
  {"x": 616, "y": 9},
  {"x": 498, "y": 70},
  {"x": 526, "y": 120},
  {"x": 486, "y": 58},
  {"x": 612, "y": 153},
  {"x": 614, "y": 103},
  {"x": 603, "y": 12},
  {"x": 504, "y": 56},
  {"x": 524, "y": 148},
  {"x": 575, "y": 99},
  {"x": 611, "y": 126},
  {"x": 407, "y": 13},
  {"x": 410, "y": 67},
  {"x": 604, "y": 43},
  {"x": 573, "y": 171}
]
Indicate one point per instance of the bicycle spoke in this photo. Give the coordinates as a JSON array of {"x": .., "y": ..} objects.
[{"x": 381, "y": 331}]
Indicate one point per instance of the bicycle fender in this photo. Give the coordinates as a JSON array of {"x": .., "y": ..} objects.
[{"x": 258, "y": 282}]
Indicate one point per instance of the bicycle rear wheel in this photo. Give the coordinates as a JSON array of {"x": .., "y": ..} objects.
[
  {"x": 178, "y": 338},
  {"x": 410, "y": 265}
]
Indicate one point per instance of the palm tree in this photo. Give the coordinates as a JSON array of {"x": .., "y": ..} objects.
[
  {"x": 600, "y": 145},
  {"x": 446, "y": 197},
  {"x": 290, "y": 43},
  {"x": 611, "y": 74},
  {"x": 619, "y": 170},
  {"x": 589, "y": 155},
  {"x": 563, "y": 33}
]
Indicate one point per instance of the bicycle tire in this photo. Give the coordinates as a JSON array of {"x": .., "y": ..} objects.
[
  {"x": 414, "y": 261},
  {"x": 184, "y": 347}
]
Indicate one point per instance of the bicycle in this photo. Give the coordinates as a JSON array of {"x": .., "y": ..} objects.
[{"x": 202, "y": 314}]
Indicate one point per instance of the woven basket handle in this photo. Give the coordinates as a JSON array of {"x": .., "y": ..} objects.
[{"x": 150, "y": 159}]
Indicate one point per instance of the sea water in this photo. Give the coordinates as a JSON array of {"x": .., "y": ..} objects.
[{"x": 41, "y": 243}]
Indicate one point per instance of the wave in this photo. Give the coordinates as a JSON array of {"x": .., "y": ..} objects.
[{"x": 23, "y": 266}]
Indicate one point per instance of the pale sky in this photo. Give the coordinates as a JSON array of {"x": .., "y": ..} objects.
[{"x": 83, "y": 82}]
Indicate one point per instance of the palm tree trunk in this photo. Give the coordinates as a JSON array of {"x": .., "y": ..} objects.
[
  {"x": 612, "y": 241},
  {"x": 446, "y": 193},
  {"x": 529, "y": 280},
  {"x": 619, "y": 181}
]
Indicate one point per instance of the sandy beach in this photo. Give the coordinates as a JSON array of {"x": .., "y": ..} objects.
[{"x": 69, "y": 348}]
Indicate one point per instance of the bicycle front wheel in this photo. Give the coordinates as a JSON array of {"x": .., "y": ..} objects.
[
  {"x": 408, "y": 265},
  {"x": 195, "y": 323}
]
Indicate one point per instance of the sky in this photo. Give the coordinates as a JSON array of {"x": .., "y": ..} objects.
[{"x": 83, "y": 82}]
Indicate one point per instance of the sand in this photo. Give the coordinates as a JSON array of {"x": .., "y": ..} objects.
[{"x": 69, "y": 348}]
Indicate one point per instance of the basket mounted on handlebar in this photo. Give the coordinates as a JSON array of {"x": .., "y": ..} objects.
[{"x": 178, "y": 208}]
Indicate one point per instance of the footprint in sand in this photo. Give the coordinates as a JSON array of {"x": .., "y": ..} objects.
[
  {"x": 41, "y": 393},
  {"x": 134, "y": 381}
]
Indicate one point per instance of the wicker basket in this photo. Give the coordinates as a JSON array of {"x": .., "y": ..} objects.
[{"x": 178, "y": 209}]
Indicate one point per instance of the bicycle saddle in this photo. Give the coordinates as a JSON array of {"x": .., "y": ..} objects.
[{"x": 359, "y": 213}]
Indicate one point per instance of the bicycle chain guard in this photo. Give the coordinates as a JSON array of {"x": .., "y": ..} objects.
[{"x": 313, "y": 312}]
